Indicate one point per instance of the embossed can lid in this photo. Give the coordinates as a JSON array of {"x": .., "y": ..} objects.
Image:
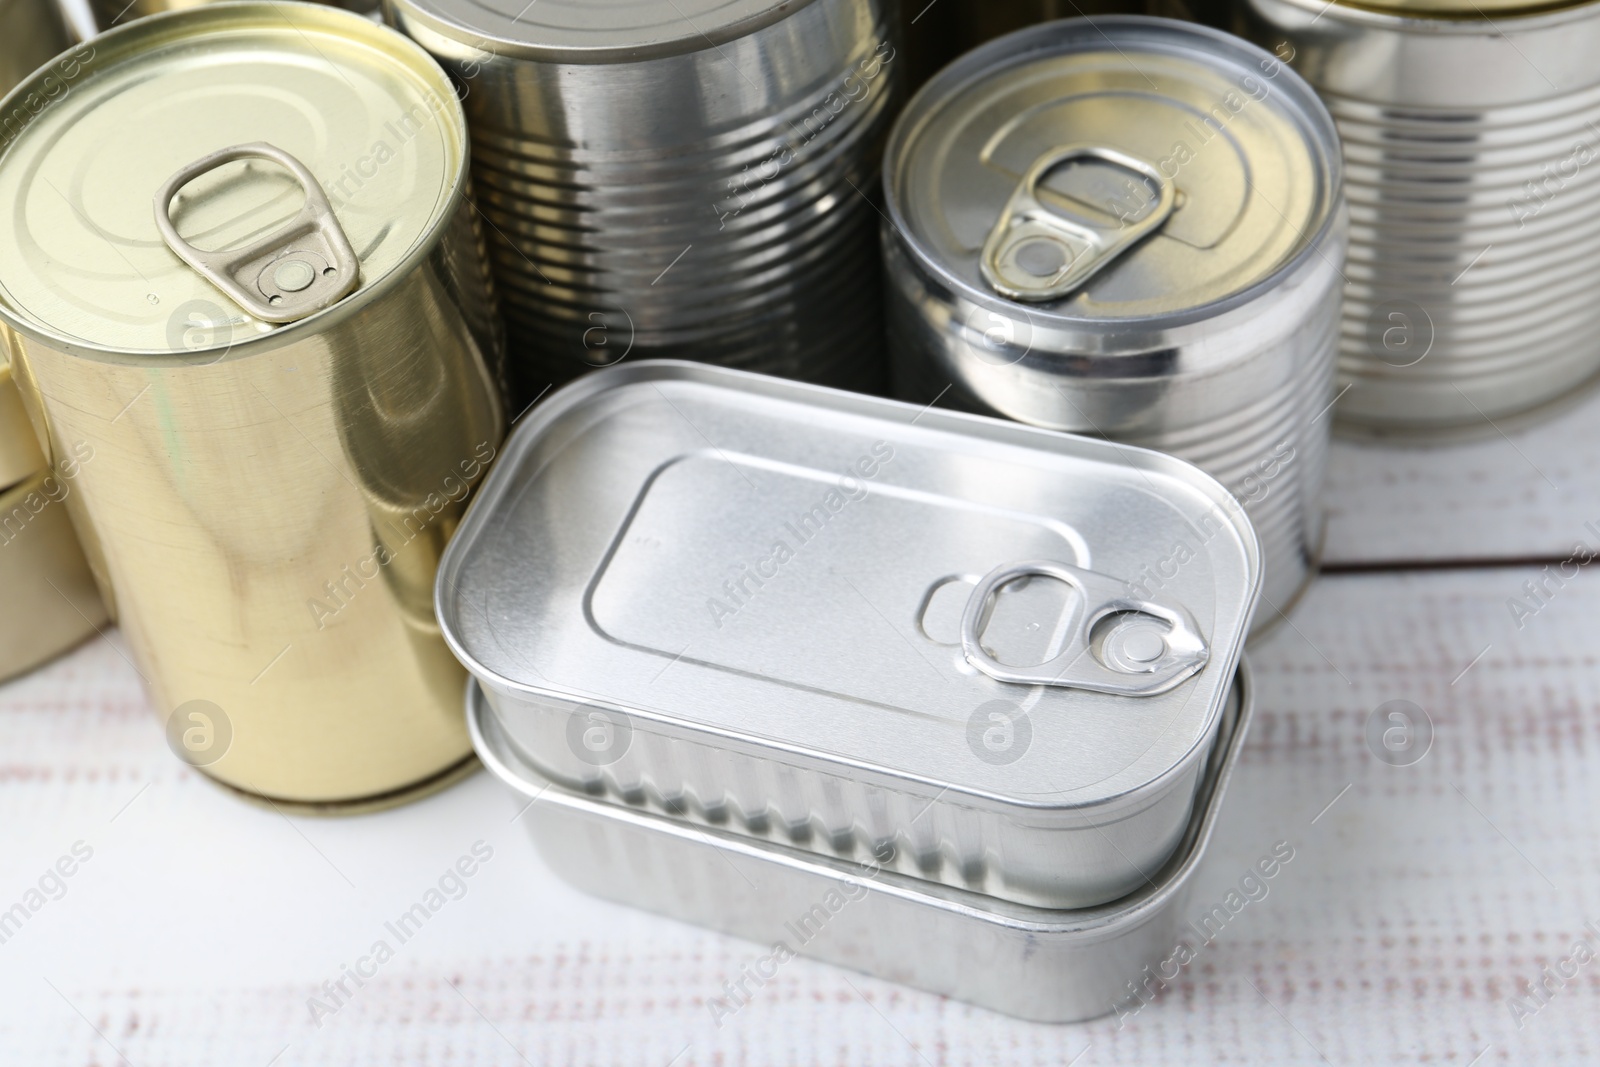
[{"x": 370, "y": 116}]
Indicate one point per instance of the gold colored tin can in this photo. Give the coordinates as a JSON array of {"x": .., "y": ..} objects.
[
  {"x": 245, "y": 271},
  {"x": 19, "y": 449},
  {"x": 49, "y": 595}
]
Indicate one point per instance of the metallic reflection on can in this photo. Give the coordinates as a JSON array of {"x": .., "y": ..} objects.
[
  {"x": 1472, "y": 162},
  {"x": 684, "y": 179},
  {"x": 1129, "y": 227},
  {"x": 267, "y": 503}
]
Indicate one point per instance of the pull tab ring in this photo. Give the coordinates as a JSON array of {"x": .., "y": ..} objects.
[
  {"x": 1066, "y": 252},
  {"x": 302, "y": 268},
  {"x": 1117, "y": 644}
]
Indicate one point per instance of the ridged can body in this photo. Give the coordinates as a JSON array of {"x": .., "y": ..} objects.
[
  {"x": 1472, "y": 162},
  {"x": 1043, "y": 964},
  {"x": 31, "y": 32},
  {"x": 1236, "y": 380},
  {"x": 709, "y": 202},
  {"x": 264, "y": 507}
]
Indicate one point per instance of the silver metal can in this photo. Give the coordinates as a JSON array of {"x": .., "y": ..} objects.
[
  {"x": 842, "y": 623},
  {"x": 1133, "y": 228},
  {"x": 677, "y": 178},
  {"x": 1042, "y": 964},
  {"x": 1472, "y": 156}
]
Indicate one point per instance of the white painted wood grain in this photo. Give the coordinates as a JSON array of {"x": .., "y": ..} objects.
[
  {"x": 1415, "y": 905},
  {"x": 1526, "y": 493}
]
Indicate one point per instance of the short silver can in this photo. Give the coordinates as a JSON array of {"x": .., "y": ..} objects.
[
  {"x": 1134, "y": 228},
  {"x": 1036, "y": 963},
  {"x": 1472, "y": 161},
  {"x": 857, "y": 627}
]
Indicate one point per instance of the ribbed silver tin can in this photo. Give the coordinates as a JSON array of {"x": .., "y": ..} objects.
[
  {"x": 686, "y": 178},
  {"x": 1130, "y": 227},
  {"x": 1472, "y": 162}
]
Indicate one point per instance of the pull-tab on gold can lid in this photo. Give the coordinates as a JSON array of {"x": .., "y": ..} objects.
[
  {"x": 1116, "y": 169},
  {"x": 370, "y": 116}
]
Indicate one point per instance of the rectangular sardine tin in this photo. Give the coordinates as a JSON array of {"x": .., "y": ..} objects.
[
  {"x": 994, "y": 656},
  {"x": 1036, "y": 963}
]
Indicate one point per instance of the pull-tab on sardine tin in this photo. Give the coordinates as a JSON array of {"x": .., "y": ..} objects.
[{"x": 978, "y": 652}]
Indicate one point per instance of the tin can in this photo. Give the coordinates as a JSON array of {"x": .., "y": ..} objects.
[
  {"x": 278, "y": 352},
  {"x": 45, "y": 585},
  {"x": 677, "y": 179},
  {"x": 1133, "y": 228},
  {"x": 847, "y": 625},
  {"x": 50, "y": 599},
  {"x": 1472, "y": 150},
  {"x": 31, "y": 33},
  {"x": 1042, "y": 964}
]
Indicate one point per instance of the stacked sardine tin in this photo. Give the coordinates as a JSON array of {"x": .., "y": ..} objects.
[{"x": 687, "y": 179}]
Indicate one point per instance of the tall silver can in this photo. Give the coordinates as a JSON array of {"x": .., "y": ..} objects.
[
  {"x": 1132, "y": 228},
  {"x": 1472, "y": 149},
  {"x": 684, "y": 178}
]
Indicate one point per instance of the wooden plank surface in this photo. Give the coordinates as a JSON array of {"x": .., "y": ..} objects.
[
  {"x": 1521, "y": 494},
  {"x": 1420, "y": 898}
]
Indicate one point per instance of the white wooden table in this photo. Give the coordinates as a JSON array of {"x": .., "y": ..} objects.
[{"x": 1420, "y": 899}]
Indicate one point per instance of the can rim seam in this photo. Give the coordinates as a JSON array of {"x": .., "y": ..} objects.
[{"x": 910, "y": 123}]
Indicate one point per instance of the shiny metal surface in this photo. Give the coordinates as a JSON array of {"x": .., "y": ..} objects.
[
  {"x": 1212, "y": 338},
  {"x": 265, "y": 506},
  {"x": 703, "y": 193},
  {"x": 32, "y": 32},
  {"x": 1471, "y": 152},
  {"x": 1046, "y": 965},
  {"x": 49, "y": 598},
  {"x": 741, "y": 600}
]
